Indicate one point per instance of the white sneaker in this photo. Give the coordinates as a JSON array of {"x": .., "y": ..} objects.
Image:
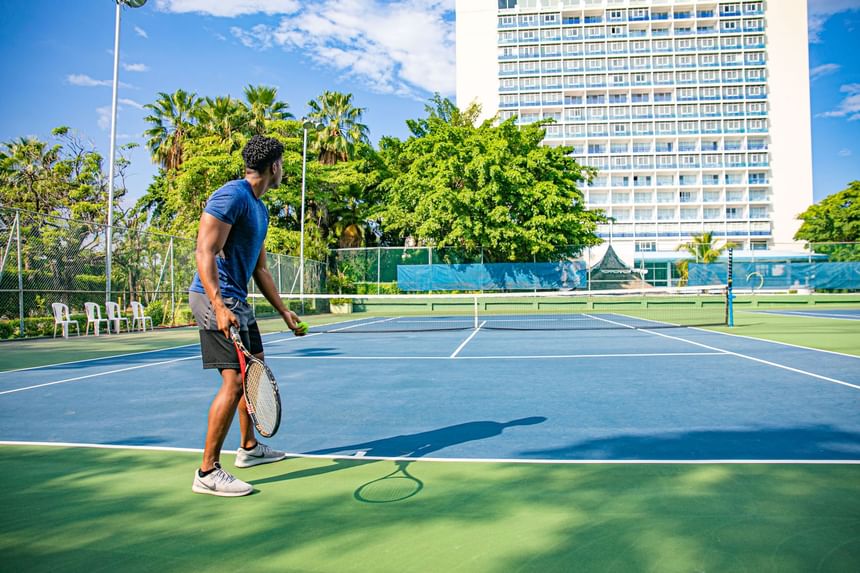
[
  {"x": 220, "y": 483},
  {"x": 259, "y": 454}
]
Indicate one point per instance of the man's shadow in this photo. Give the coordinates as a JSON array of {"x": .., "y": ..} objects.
[{"x": 405, "y": 446}]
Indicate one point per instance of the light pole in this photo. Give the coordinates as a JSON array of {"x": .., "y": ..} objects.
[
  {"x": 112, "y": 162},
  {"x": 306, "y": 125}
]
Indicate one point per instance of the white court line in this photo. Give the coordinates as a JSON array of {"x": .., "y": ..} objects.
[
  {"x": 505, "y": 357},
  {"x": 112, "y": 356},
  {"x": 109, "y": 372},
  {"x": 523, "y": 461},
  {"x": 809, "y": 314},
  {"x": 773, "y": 342},
  {"x": 99, "y": 358},
  {"x": 465, "y": 342},
  {"x": 76, "y": 378},
  {"x": 739, "y": 355}
]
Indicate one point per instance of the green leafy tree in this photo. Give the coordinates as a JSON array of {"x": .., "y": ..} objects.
[
  {"x": 172, "y": 119},
  {"x": 67, "y": 180},
  {"x": 834, "y": 220},
  {"x": 28, "y": 175},
  {"x": 342, "y": 131},
  {"x": 453, "y": 184}
]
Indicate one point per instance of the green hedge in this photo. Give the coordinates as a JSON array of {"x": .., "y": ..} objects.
[{"x": 38, "y": 326}]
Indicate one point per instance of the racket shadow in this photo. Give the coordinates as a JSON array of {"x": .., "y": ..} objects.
[{"x": 398, "y": 485}]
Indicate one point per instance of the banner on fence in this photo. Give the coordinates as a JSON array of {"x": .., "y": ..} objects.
[
  {"x": 493, "y": 276},
  {"x": 780, "y": 275}
]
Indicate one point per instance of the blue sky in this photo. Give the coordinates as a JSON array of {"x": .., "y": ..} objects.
[{"x": 391, "y": 54}]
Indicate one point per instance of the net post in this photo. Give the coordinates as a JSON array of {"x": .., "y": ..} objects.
[
  {"x": 475, "y": 305},
  {"x": 730, "y": 315}
]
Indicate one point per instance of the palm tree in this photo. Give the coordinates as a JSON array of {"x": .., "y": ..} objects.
[
  {"x": 223, "y": 118},
  {"x": 264, "y": 106},
  {"x": 343, "y": 128},
  {"x": 172, "y": 120},
  {"x": 702, "y": 249}
]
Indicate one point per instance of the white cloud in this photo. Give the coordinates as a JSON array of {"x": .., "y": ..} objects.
[
  {"x": 130, "y": 102},
  {"x": 135, "y": 67},
  {"x": 845, "y": 153},
  {"x": 86, "y": 81},
  {"x": 404, "y": 47},
  {"x": 228, "y": 8},
  {"x": 821, "y": 10},
  {"x": 104, "y": 117},
  {"x": 848, "y": 107},
  {"x": 823, "y": 70},
  {"x": 140, "y": 32}
]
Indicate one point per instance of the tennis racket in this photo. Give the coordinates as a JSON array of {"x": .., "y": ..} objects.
[{"x": 261, "y": 390}]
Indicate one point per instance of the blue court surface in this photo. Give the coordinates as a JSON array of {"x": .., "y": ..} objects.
[
  {"x": 842, "y": 314},
  {"x": 675, "y": 394}
]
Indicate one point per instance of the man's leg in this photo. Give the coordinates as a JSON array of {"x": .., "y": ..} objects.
[{"x": 221, "y": 416}]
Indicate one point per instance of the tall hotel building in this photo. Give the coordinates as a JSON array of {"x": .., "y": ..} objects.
[{"x": 696, "y": 113}]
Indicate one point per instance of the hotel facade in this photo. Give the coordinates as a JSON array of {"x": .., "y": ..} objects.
[{"x": 695, "y": 113}]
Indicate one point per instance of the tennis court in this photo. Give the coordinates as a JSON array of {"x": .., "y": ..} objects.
[{"x": 474, "y": 449}]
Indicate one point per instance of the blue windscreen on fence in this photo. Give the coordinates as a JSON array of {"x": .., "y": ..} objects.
[
  {"x": 492, "y": 276},
  {"x": 779, "y": 275}
]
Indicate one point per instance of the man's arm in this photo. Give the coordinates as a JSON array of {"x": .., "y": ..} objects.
[
  {"x": 266, "y": 284},
  {"x": 210, "y": 240}
]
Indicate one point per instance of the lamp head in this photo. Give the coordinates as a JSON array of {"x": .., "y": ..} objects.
[
  {"x": 132, "y": 3},
  {"x": 312, "y": 126}
]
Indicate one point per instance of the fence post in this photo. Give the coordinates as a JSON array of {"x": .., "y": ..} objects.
[
  {"x": 378, "y": 268},
  {"x": 172, "y": 289},
  {"x": 430, "y": 262},
  {"x": 20, "y": 273}
]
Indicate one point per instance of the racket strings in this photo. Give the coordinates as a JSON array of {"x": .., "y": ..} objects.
[{"x": 262, "y": 396}]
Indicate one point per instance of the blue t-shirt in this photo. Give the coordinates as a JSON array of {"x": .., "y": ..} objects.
[{"x": 235, "y": 203}]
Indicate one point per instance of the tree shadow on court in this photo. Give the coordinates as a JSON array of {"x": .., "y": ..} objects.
[
  {"x": 415, "y": 446},
  {"x": 71, "y": 508}
]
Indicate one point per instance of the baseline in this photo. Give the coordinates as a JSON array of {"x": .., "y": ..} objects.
[{"x": 524, "y": 461}]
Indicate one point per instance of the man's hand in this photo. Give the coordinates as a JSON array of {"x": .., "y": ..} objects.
[
  {"x": 225, "y": 318},
  {"x": 292, "y": 320}
]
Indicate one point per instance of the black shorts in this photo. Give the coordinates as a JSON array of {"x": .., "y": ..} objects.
[{"x": 216, "y": 349}]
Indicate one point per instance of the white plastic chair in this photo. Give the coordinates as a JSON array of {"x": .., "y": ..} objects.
[
  {"x": 138, "y": 316},
  {"x": 61, "y": 317},
  {"x": 115, "y": 316},
  {"x": 94, "y": 317}
]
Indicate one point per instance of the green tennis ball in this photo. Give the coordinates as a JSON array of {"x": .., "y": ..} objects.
[{"x": 302, "y": 328}]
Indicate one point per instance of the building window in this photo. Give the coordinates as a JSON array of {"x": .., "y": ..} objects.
[
  {"x": 646, "y": 246},
  {"x": 733, "y": 212}
]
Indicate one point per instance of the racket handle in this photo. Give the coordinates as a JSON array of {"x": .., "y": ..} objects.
[{"x": 234, "y": 334}]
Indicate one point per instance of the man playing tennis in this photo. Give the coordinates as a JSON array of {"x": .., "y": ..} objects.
[{"x": 229, "y": 252}]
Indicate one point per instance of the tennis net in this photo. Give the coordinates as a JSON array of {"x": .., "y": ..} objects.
[{"x": 571, "y": 310}]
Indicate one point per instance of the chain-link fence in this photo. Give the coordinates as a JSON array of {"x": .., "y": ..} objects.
[
  {"x": 375, "y": 270},
  {"x": 46, "y": 259}
]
